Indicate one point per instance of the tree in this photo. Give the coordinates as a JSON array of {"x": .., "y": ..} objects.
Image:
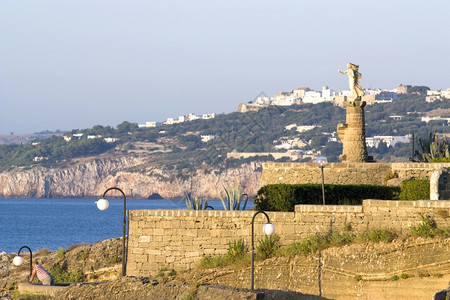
[
  {"x": 419, "y": 89},
  {"x": 125, "y": 127}
]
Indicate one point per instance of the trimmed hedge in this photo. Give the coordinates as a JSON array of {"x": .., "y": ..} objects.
[
  {"x": 284, "y": 197},
  {"x": 417, "y": 189}
]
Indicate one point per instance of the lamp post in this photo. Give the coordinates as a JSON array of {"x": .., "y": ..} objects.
[
  {"x": 103, "y": 204},
  {"x": 321, "y": 162},
  {"x": 18, "y": 260},
  {"x": 268, "y": 229}
]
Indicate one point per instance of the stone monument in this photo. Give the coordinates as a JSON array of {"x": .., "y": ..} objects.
[{"x": 353, "y": 132}]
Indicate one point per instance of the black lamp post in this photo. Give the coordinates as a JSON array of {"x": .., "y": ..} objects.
[
  {"x": 18, "y": 260},
  {"x": 268, "y": 229},
  {"x": 321, "y": 162},
  {"x": 103, "y": 204}
]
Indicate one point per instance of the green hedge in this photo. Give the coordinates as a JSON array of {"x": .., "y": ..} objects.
[
  {"x": 417, "y": 189},
  {"x": 284, "y": 197}
]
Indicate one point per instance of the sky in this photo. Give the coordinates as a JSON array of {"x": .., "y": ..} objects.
[{"x": 74, "y": 64}]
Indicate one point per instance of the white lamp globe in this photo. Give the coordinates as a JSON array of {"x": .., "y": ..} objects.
[
  {"x": 321, "y": 161},
  {"x": 269, "y": 229},
  {"x": 18, "y": 260},
  {"x": 102, "y": 204}
]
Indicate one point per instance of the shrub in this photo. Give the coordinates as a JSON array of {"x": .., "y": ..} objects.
[
  {"x": 427, "y": 228},
  {"x": 268, "y": 246},
  {"x": 310, "y": 244},
  {"x": 60, "y": 253},
  {"x": 417, "y": 189},
  {"x": 394, "y": 278},
  {"x": 358, "y": 277},
  {"x": 61, "y": 274},
  {"x": 284, "y": 197},
  {"x": 376, "y": 235},
  {"x": 237, "y": 249},
  {"x": 404, "y": 276}
]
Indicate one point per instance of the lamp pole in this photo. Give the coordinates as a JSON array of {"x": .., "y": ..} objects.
[
  {"x": 103, "y": 204},
  {"x": 18, "y": 260},
  {"x": 321, "y": 162},
  {"x": 268, "y": 229}
]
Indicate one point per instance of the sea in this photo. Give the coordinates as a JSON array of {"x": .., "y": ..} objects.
[{"x": 53, "y": 223}]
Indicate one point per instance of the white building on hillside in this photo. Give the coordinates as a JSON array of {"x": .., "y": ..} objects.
[
  {"x": 147, "y": 125},
  {"x": 388, "y": 140},
  {"x": 207, "y": 138}
]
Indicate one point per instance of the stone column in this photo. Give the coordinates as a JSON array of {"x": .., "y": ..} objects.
[{"x": 353, "y": 133}]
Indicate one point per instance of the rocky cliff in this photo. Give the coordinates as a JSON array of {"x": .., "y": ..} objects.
[{"x": 136, "y": 175}]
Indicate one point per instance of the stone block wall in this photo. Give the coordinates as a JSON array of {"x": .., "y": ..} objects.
[
  {"x": 360, "y": 173},
  {"x": 345, "y": 173},
  {"x": 179, "y": 238}
]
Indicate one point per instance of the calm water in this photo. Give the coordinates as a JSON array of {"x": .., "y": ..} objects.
[{"x": 53, "y": 223}]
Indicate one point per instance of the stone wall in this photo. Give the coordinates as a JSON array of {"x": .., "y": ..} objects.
[
  {"x": 345, "y": 173},
  {"x": 355, "y": 173},
  {"x": 179, "y": 238}
]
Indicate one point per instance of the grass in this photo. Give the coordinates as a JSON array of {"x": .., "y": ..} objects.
[
  {"x": 315, "y": 242},
  {"x": 237, "y": 254},
  {"x": 267, "y": 247},
  {"x": 16, "y": 295}
]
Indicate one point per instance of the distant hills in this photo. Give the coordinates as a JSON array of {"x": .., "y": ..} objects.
[{"x": 184, "y": 147}]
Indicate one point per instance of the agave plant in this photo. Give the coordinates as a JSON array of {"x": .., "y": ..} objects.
[
  {"x": 433, "y": 150},
  {"x": 233, "y": 198},
  {"x": 195, "y": 202}
]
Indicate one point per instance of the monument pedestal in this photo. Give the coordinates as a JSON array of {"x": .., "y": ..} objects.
[{"x": 353, "y": 133}]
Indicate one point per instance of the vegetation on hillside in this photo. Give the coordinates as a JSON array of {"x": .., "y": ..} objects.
[{"x": 179, "y": 147}]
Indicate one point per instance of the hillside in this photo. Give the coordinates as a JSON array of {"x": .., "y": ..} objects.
[
  {"x": 171, "y": 159},
  {"x": 180, "y": 145}
]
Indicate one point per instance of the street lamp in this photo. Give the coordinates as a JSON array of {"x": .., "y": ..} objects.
[
  {"x": 18, "y": 260},
  {"x": 103, "y": 204},
  {"x": 321, "y": 162},
  {"x": 268, "y": 229}
]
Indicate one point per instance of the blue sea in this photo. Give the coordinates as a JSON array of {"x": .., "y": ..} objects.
[{"x": 52, "y": 223}]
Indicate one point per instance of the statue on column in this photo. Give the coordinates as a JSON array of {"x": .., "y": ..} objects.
[
  {"x": 354, "y": 77},
  {"x": 353, "y": 131}
]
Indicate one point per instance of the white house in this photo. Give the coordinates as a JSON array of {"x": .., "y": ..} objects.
[
  {"x": 208, "y": 116},
  {"x": 207, "y": 138},
  {"x": 110, "y": 140},
  {"x": 147, "y": 124}
]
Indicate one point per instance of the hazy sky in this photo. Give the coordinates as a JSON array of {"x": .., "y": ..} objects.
[{"x": 68, "y": 64}]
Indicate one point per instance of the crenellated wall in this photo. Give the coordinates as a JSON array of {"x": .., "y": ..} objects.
[{"x": 179, "y": 238}]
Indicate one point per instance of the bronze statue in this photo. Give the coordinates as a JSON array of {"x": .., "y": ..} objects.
[{"x": 354, "y": 77}]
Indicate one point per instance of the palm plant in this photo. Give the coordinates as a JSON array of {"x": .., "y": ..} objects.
[
  {"x": 194, "y": 202},
  {"x": 233, "y": 198},
  {"x": 433, "y": 150}
]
